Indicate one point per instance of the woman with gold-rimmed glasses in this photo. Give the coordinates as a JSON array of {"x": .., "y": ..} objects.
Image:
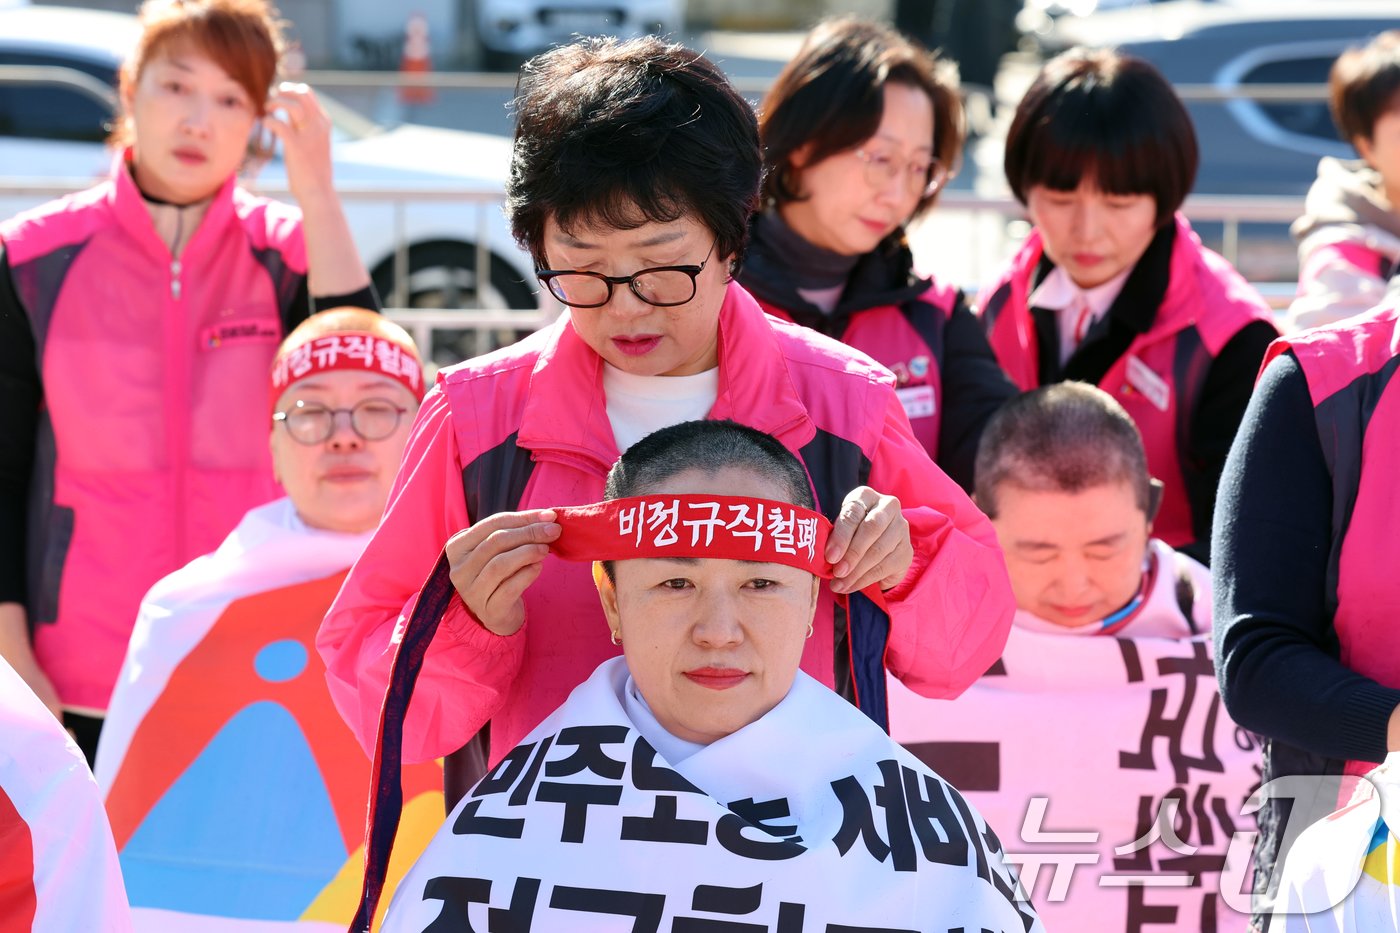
[{"x": 861, "y": 131}]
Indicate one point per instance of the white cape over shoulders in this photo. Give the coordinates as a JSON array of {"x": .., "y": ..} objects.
[
  {"x": 236, "y": 793},
  {"x": 810, "y": 819},
  {"x": 58, "y": 867}
]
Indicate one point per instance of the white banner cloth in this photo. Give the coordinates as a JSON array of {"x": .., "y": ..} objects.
[
  {"x": 237, "y": 794},
  {"x": 1343, "y": 873},
  {"x": 809, "y": 820},
  {"x": 1110, "y": 769},
  {"x": 58, "y": 868}
]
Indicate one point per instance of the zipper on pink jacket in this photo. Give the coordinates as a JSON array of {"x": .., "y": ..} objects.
[{"x": 177, "y": 407}]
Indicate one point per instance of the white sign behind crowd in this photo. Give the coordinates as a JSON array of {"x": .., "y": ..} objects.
[{"x": 1111, "y": 772}]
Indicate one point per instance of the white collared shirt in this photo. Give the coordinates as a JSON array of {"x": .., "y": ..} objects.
[{"x": 1070, "y": 303}]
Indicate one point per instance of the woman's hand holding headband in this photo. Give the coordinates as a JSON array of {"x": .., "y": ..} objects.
[
  {"x": 869, "y": 542},
  {"x": 495, "y": 560}
]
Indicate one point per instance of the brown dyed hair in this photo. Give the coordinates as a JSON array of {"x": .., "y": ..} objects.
[
  {"x": 243, "y": 37},
  {"x": 1365, "y": 83},
  {"x": 1109, "y": 116},
  {"x": 831, "y": 97}
]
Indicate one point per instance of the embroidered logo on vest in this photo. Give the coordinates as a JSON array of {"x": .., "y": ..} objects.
[{"x": 248, "y": 330}]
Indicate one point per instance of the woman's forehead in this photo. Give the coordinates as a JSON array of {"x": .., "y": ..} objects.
[
  {"x": 711, "y": 566},
  {"x": 580, "y": 236},
  {"x": 736, "y": 479},
  {"x": 187, "y": 57},
  {"x": 345, "y": 383}
]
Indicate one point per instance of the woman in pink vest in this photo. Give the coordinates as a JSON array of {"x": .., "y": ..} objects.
[
  {"x": 137, "y": 323},
  {"x": 1349, "y": 234},
  {"x": 1113, "y": 288},
  {"x": 634, "y": 174},
  {"x": 860, "y": 131},
  {"x": 1306, "y": 594}
]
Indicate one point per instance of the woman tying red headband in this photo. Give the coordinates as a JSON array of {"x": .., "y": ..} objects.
[{"x": 702, "y": 754}]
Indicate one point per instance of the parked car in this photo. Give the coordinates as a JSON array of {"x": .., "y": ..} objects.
[
  {"x": 53, "y": 122},
  {"x": 510, "y": 30},
  {"x": 1247, "y": 146}
]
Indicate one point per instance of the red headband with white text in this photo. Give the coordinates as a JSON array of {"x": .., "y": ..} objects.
[
  {"x": 719, "y": 527},
  {"x": 348, "y": 349}
]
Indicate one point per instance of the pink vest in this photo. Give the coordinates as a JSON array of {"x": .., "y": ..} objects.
[
  {"x": 1349, "y": 367},
  {"x": 1160, "y": 377},
  {"x": 153, "y": 433},
  {"x": 908, "y": 341}
]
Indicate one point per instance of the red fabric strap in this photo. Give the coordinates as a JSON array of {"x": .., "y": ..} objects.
[
  {"x": 348, "y": 350},
  {"x": 721, "y": 527}
]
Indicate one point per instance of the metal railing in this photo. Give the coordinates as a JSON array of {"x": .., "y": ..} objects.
[
  {"x": 1230, "y": 212},
  {"x": 398, "y": 197},
  {"x": 498, "y": 81}
]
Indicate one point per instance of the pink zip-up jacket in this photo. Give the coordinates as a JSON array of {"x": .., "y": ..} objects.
[
  {"x": 533, "y": 416},
  {"x": 152, "y": 434},
  {"x": 1348, "y": 244}
]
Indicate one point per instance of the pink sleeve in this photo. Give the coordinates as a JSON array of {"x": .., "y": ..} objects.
[
  {"x": 1340, "y": 255},
  {"x": 467, "y": 668},
  {"x": 950, "y": 616},
  {"x": 1336, "y": 279},
  {"x": 273, "y": 224}
]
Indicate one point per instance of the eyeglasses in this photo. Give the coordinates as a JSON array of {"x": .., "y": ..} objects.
[
  {"x": 663, "y": 286},
  {"x": 920, "y": 176},
  {"x": 373, "y": 419}
]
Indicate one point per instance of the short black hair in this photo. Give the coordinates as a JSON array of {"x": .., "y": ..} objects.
[
  {"x": 710, "y": 446},
  {"x": 1110, "y": 116},
  {"x": 1365, "y": 83},
  {"x": 621, "y": 133},
  {"x": 831, "y": 97},
  {"x": 1065, "y": 437}
]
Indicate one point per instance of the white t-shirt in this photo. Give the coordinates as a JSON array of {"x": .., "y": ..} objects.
[
  {"x": 639, "y": 405},
  {"x": 1070, "y": 303}
]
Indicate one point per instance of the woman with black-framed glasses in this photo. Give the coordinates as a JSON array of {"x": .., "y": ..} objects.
[
  {"x": 634, "y": 176},
  {"x": 861, "y": 130},
  {"x": 662, "y": 286}
]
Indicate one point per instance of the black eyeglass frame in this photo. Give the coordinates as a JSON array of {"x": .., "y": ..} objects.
[
  {"x": 335, "y": 413},
  {"x": 545, "y": 276}
]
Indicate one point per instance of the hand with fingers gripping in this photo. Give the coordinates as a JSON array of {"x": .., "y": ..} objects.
[
  {"x": 495, "y": 560},
  {"x": 869, "y": 542},
  {"x": 301, "y": 124}
]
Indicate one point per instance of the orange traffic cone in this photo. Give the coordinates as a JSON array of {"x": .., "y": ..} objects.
[{"x": 417, "y": 60}]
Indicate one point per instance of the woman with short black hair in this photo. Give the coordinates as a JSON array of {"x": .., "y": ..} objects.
[
  {"x": 861, "y": 130},
  {"x": 636, "y": 166},
  {"x": 1114, "y": 288}
]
